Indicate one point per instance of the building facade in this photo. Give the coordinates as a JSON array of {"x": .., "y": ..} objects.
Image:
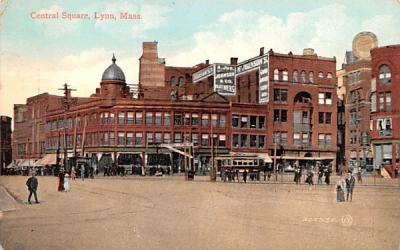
[
  {"x": 385, "y": 107},
  {"x": 5, "y": 142},
  {"x": 282, "y": 105}
]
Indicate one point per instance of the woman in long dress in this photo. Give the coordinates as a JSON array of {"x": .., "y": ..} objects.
[{"x": 66, "y": 183}]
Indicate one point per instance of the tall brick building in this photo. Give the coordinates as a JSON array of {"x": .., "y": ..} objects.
[
  {"x": 237, "y": 107},
  {"x": 385, "y": 107},
  {"x": 5, "y": 142}
]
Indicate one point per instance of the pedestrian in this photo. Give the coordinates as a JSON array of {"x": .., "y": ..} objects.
[
  {"x": 327, "y": 176},
  {"x": 340, "y": 190},
  {"x": 237, "y": 175},
  {"x": 350, "y": 182},
  {"x": 320, "y": 175},
  {"x": 73, "y": 173},
  {"x": 66, "y": 183},
  {"x": 61, "y": 180},
  {"x": 309, "y": 179},
  {"x": 32, "y": 184},
  {"x": 245, "y": 176},
  {"x": 82, "y": 172},
  {"x": 359, "y": 177}
]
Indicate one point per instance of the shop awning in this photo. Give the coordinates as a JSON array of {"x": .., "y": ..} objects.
[
  {"x": 48, "y": 159},
  {"x": 27, "y": 163},
  {"x": 11, "y": 165},
  {"x": 265, "y": 157}
]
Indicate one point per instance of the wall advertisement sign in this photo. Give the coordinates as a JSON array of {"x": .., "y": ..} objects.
[
  {"x": 224, "y": 79},
  {"x": 202, "y": 74}
]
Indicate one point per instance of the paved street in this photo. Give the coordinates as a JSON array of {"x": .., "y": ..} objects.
[{"x": 169, "y": 213}]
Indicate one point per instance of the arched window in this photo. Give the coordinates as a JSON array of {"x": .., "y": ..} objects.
[
  {"x": 285, "y": 75},
  {"x": 295, "y": 77},
  {"x": 384, "y": 74},
  {"x": 181, "y": 81},
  {"x": 303, "y": 77},
  {"x": 320, "y": 75},
  {"x": 276, "y": 75},
  {"x": 173, "y": 80},
  {"x": 329, "y": 76},
  {"x": 311, "y": 77}
]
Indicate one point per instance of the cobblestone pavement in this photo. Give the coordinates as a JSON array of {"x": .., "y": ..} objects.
[{"x": 170, "y": 213}]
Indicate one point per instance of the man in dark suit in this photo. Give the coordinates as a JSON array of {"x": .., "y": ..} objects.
[
  {"x": 350, "y": 182},
  {"x": 32, "y": 184}
]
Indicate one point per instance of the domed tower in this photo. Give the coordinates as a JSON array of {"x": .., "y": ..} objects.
[{"x": 113, "y": 83}]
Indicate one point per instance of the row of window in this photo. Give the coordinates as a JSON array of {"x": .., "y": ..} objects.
[
  {"x": 384, "y": 102},
  {"x": 283, "y": 76},
  {"x": 151, "y": 118},
  {"x": 302, "y": 139},
  {"x": 248, "y": 122},
  {"x": 130, "y": 139},
  {"x": 246, "y": 141}
]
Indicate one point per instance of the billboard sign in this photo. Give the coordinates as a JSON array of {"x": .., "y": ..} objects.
[
  {"x": 224, "y": 79},
  {"x": 203, "y": 73}
]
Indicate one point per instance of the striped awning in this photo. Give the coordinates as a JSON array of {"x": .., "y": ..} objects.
[{"x": 48, "y": 159}]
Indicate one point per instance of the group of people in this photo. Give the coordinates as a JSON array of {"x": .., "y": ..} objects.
[
  {"x": 349, "y": 184},
  {"x": 322, "y": 171}
]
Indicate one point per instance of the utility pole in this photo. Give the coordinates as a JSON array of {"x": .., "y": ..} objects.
[
  {"x": 67, "y": 93},
  {"x": 213, "y": 175}
]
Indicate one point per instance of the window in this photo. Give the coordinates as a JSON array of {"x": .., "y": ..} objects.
[
  {"x": 129, "y": 118},
  {"x": 222, "y": 121},
  {"x": 178, "y": 118},
  {"x": 305, "y": 139},
  {"x": 303, "y": 76},
  {"x": 373, "y": 102},
  {"x": 328, "y": 117},
  {"x": 138, "y": 138},
  {"x": 253, "y": 141},
  {"x": 111, "y": 118},
  {"x": 329, "y": 76},
  {"x": 325, "y": 98},
  {"x": 195, "y": 120},
  {"x": 187, "y": 120},
  {"x": 235, "y": 121},
  {"x": 324, "y": 140},
  {"x": 195, "y": 139},
  {"x": 280, "y": 95},
  {"x": 157, "y": 119},
  {"x": 296, "y": 139},
  {"x": 78, "y": 140},
  {"x": 139, "y": 118},
  {"x": 243, "y": 141},
  {"x": 129, "y": 139},
  {"x": 388, "y": 102},
  {"x": 112, "y": 138},
  {"x": 214, "y": 119},
  {"x": 173, "y": 80},
  {"x": 204, "y": 120},
  {"x": 283, "y": 115},
  {"x": 285, "y": 75},
  {"x": 204, "y": 140},
  {"x": 167, "y": 119},
  {"x": 261, "y": 141},
  {"x": 320, "y": 75},
  {"x": 149, "y": 118},
  {"x": 276, "y": 75},
  {"x": 295, "y": 77},
  {"x": 384, "y": 74},
  {"x": 235, "y": 141},
  {"x": 261, "y": 122},
  {"x": 158, "y": 138},
  {"x": 181, "y": 81},
  {"x": 321, "y": 117},
  {"x": 149, "y": 138},
  {"x": 311, "y": 77},
  {"x": 121, "y": 117},
  {"x": 78, "y": 122},
  {"x": 243, "y": 121},
  {"x": 121, "y": 138},
  {"x": 222, "y": 140},
  {"x": 381, "y": 102},
  {"x": 177, "y": 137},
  {"x": 167, "y": 138},
  {"x": 253, "y": 121}
]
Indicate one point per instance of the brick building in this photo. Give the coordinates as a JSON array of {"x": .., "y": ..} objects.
[
  {"x": 5, "y": 142},
  {"x": 385, "y": 107},
  {"x": 240, "y": 105}
]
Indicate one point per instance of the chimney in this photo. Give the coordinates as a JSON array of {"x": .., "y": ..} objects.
[
  {"x": 234, "y": 60},
  {"x": 308, "y": 52},
  {"x": 207, "y": 62},
  {"x": 261, "y": 51}
]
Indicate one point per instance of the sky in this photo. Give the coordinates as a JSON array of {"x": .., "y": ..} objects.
[{"x": 39, "y": 55}]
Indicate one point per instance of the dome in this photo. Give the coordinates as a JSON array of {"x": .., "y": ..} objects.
[{"x": 113, "y": 72}]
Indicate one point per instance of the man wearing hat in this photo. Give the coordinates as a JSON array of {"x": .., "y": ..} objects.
[{"x": 32, "y": 184}]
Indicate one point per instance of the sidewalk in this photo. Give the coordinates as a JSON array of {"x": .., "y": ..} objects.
[{"x": 7, "y": 202}]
